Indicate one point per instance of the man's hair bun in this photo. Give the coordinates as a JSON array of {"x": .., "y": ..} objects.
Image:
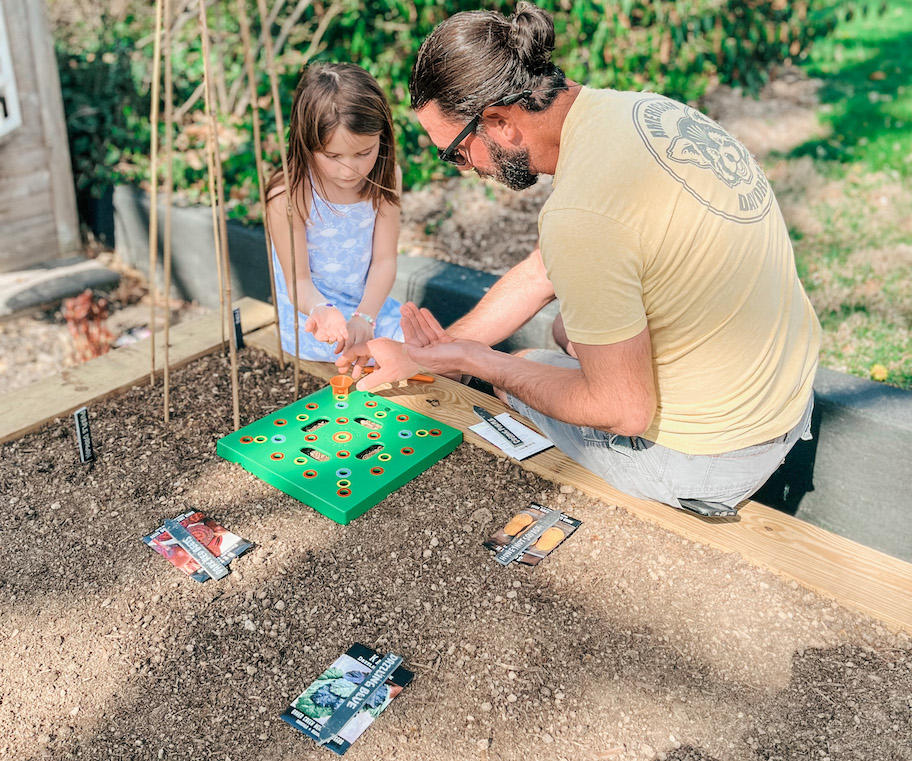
[
  {"x": 475, "y": 58},
  {"x": 532, "y": 36}
]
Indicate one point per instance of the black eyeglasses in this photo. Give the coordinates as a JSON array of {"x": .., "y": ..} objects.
[{"x": 451, "y": 153}]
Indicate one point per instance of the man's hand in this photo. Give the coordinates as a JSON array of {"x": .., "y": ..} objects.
[
  {"x": 354, "y": 359},
  {"x": 420, "y": 327},
  {"x": 431, "y": 346},
  {"x": 392, "y": 364},
  {"x": 327, "y": 325}
]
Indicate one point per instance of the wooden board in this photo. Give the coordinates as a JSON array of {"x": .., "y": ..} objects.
[
  {"x": 54, "y": 129},
  {"x": 854, "y": 575},
  {"x": 38, "y": 180},
  {"x": 31, "y": 407}
]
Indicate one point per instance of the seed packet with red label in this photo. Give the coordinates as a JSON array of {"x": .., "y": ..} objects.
[{"x": 218, "y": 540}]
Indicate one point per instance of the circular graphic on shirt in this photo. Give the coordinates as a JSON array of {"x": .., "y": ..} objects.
[{"x": 711, "y": 165}]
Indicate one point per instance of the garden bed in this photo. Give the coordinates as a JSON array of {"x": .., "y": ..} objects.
[{"x": 629, "y": 642}]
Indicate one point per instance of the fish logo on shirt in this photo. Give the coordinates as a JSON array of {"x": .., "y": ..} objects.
[
  {"x": 701, "y": 142},
  {"x": 710, "y": 164}
]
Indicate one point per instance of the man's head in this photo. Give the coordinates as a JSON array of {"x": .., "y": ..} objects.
[{"x": 470, "y": 66}]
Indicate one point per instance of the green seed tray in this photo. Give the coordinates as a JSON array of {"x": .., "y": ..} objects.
[{"x": 340, "y": 454}]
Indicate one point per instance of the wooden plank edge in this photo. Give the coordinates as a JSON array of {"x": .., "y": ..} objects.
[
  {"x": 841, "y": 569},
  {"x": 74, "y": 387}
]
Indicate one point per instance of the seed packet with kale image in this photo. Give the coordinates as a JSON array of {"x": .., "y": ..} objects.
[{"x": 337, "y": 684}]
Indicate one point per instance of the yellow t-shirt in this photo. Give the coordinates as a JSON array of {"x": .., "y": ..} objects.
[{"x": 659, "y": 217}]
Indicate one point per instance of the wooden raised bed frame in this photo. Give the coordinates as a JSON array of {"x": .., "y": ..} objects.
[{"x": 848, "y": 572}]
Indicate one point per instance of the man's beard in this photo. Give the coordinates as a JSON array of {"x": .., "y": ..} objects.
[{"x": 510, "y": 167}]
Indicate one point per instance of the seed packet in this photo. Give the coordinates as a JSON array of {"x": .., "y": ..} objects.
[
  {"x": 218, "y": 540},
  {"x": 334, "y": 687},
  {"x": 510, "y": 536}
]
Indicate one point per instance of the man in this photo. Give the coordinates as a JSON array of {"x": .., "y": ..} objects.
[{"x": 691, "y": 345}]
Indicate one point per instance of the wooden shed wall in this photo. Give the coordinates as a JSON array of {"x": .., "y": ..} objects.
[{"x": 38, "y": 220}]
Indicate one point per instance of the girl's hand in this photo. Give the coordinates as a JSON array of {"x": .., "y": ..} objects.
[
  {"x": 327, "y": 325},
  {"x": 360, "y": 331}
]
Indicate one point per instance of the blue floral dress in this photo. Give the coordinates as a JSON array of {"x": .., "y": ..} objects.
[{"x": 339, "y": 246}]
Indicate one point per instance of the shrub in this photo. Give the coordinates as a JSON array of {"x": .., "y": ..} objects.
[{"x": 677, "y": 48}]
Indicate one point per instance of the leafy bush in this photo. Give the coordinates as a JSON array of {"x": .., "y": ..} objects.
[
  {"x": 677, "y": 48},
  {"x": 107, "y": 112}
]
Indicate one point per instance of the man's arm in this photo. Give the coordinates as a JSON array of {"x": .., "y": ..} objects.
[
  {"x": 512, "y": 301},
  {"x": 613, "y": 390}
]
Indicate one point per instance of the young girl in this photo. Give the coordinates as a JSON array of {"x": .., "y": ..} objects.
[{"x": 343, "y": 187}]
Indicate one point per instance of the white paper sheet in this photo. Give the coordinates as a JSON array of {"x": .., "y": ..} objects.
[{"x": 533, "y": 442}]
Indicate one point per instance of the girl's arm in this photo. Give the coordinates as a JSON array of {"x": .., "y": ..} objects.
[
  {"x": 326, "y": 324},
  {"x": 380, "y": 277},
  {"x": 382, "y": 272}
]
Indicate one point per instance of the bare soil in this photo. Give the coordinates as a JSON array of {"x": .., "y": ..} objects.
[{"x": 629, "y": 642}]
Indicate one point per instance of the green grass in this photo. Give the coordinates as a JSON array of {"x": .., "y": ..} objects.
[
  {"x": 857, "y": 264},
  {"x": 866, "y": 67}
]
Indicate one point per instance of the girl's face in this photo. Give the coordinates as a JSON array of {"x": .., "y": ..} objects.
[{"x": 347, "y": 158}]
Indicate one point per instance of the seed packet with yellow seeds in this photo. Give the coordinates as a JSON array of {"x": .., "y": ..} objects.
[{"x": 512, "y": 541}]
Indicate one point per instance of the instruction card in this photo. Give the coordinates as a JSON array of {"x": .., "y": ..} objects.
[
  {"x": 218, "y": 541},
  {"x": 509, "y": 543},
  {"x": 531, "y": 442},
  {"x": 338, "y": 686}
]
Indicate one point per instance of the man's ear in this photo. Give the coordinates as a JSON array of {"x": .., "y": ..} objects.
[{"x": 501, "y": 120}]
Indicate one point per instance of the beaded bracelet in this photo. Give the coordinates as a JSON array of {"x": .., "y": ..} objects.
[
  {"x": 366, "y": 317},
  {"x": 321, "y": 304}
]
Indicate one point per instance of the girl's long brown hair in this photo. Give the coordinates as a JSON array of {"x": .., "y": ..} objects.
[{"x": 327, "y": 96}]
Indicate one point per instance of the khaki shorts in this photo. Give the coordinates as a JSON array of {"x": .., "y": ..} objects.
[{"x": 648, "y": 470}]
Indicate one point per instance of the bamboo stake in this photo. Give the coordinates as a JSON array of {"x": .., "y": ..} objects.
[
  {"x": 217, "y": 244},
  {"x": 220, "y": 192},
  {"x": 169, "y": 197},
  {"x": 153, "y": 200},
  {"x": 280, "y": 132},
  {"x": 213, "y": 206},
  {"x": 258, "y": 152}
]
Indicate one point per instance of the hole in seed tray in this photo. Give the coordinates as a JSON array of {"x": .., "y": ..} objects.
[
  {"x": 315, "y": 453},
  {"x": 369, "y": 452},
  {"x": 318, "y": 423},
  {"x": 372, "y": 424}
]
